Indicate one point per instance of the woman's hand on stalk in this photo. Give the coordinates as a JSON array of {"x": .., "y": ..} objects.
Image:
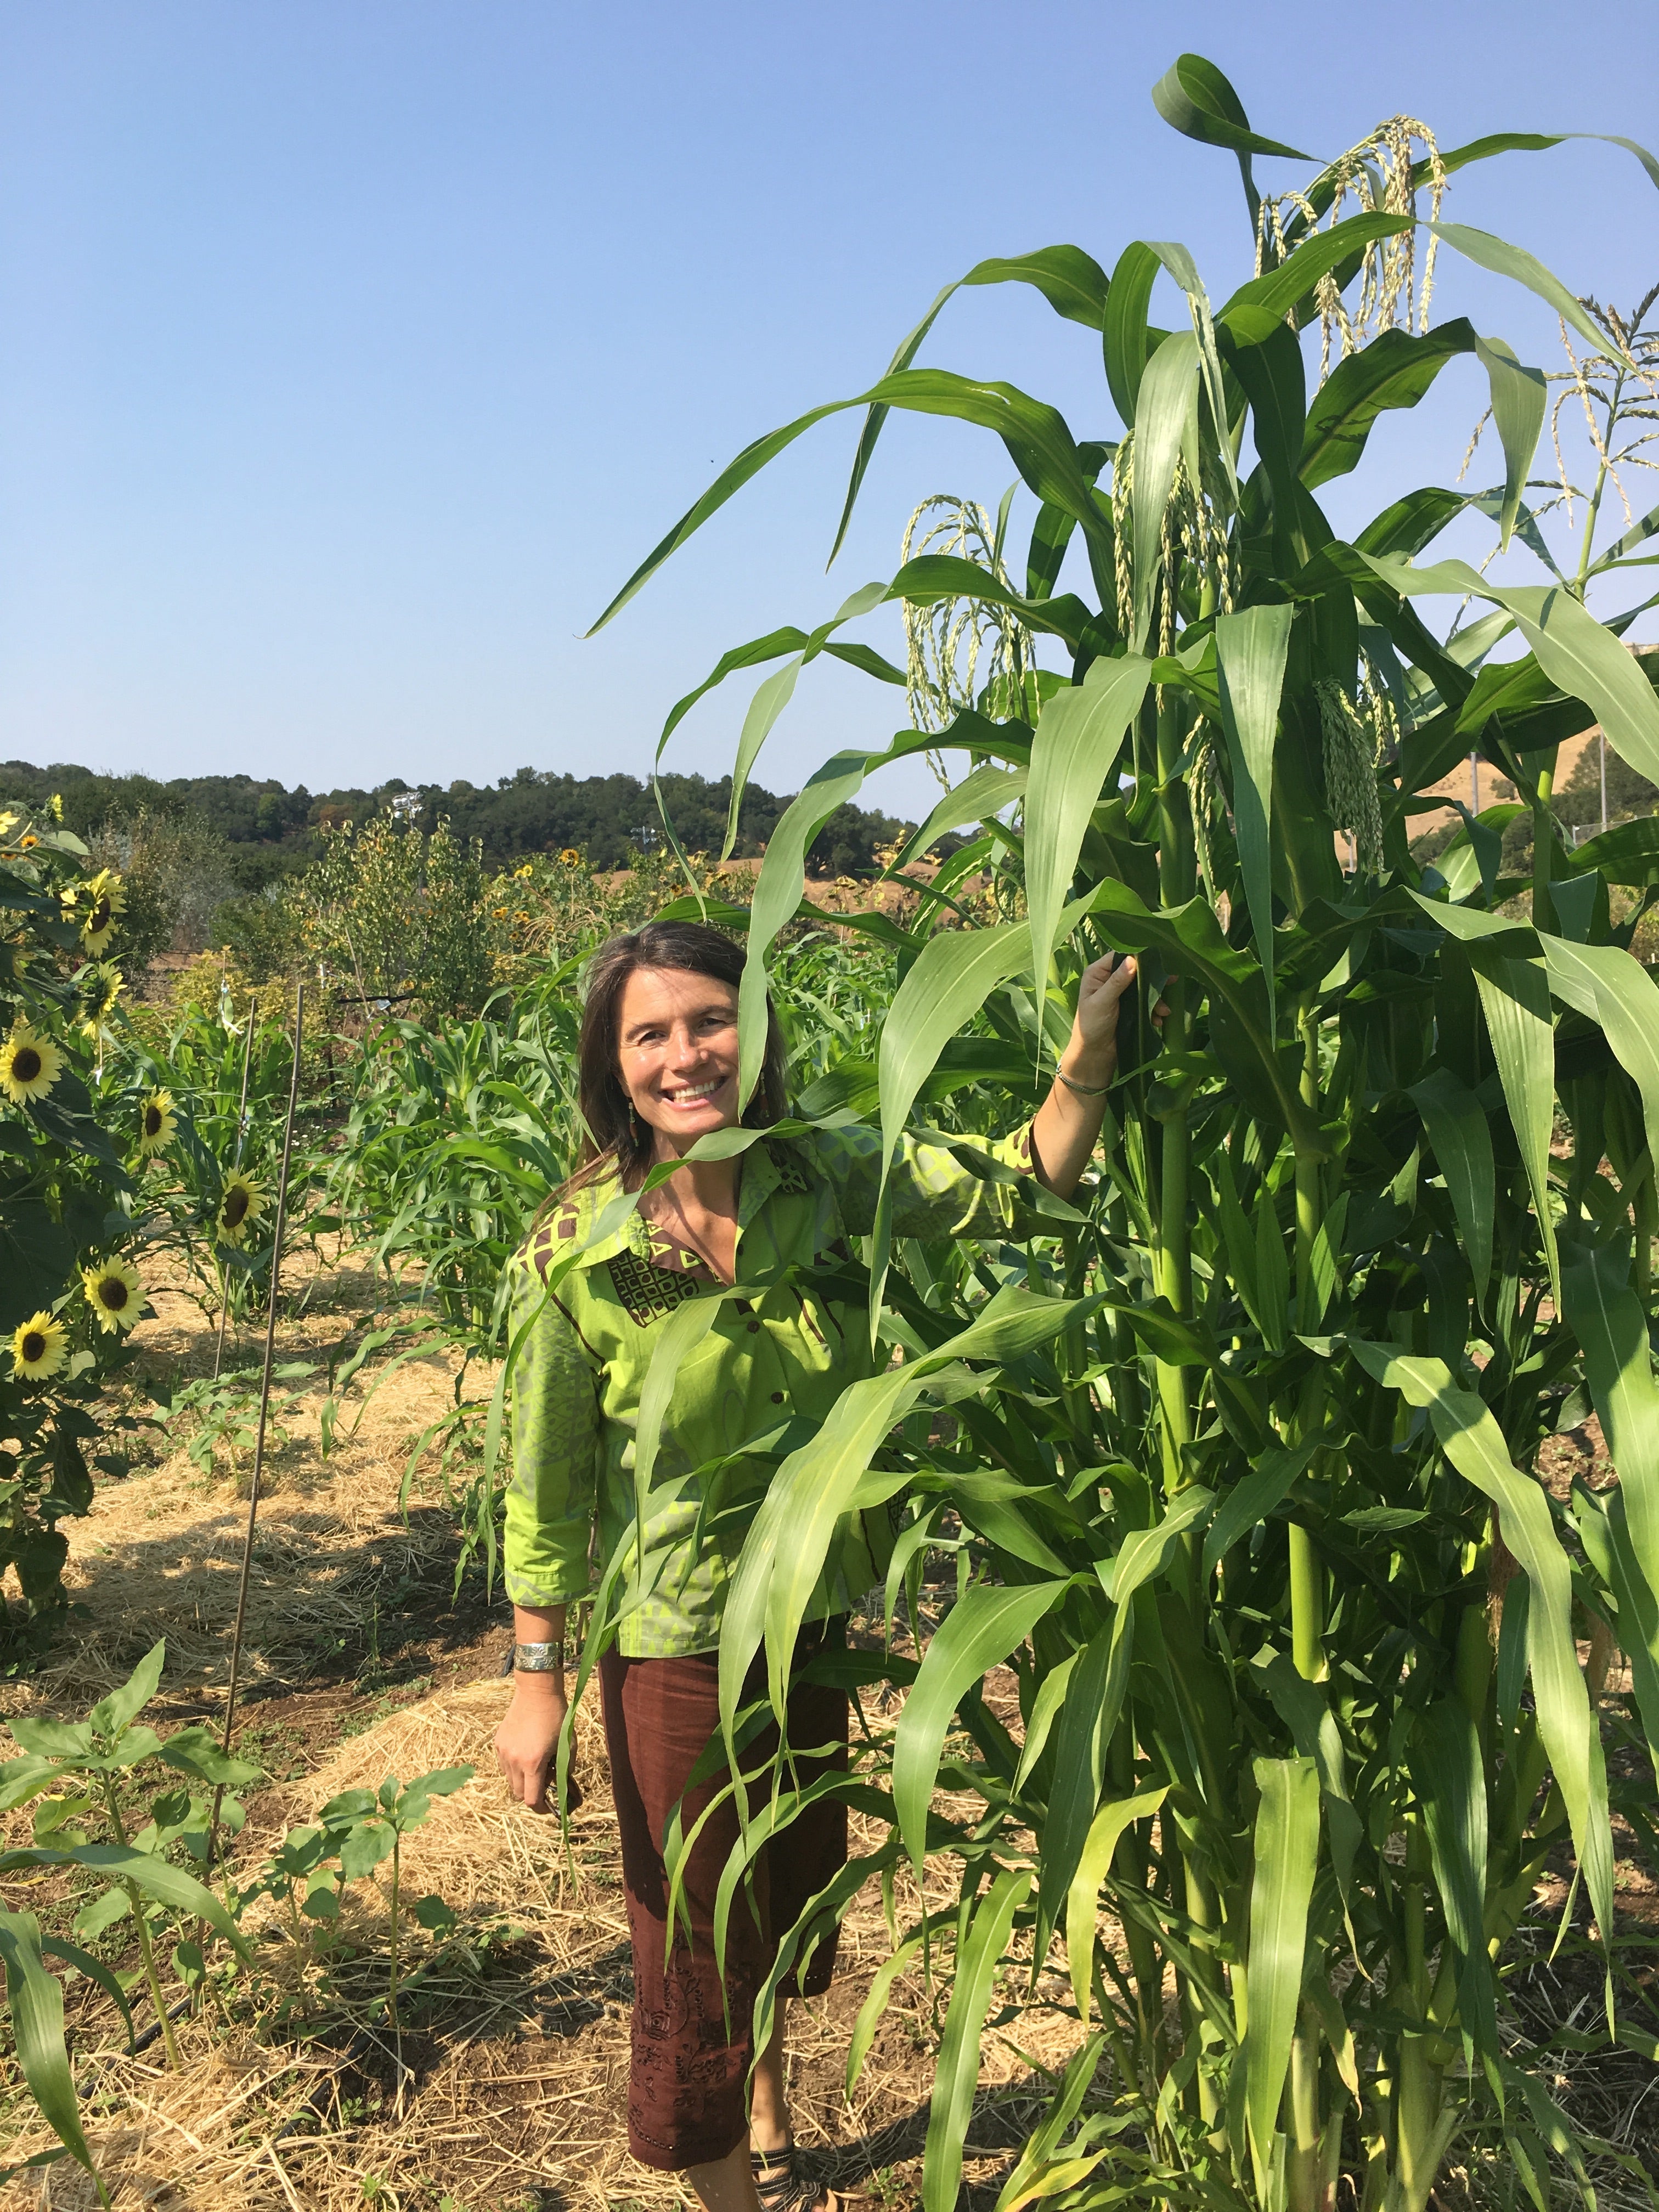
[
  {"x": 1094, "y": 1028},
  {"x": 1068, "y": 1121}
]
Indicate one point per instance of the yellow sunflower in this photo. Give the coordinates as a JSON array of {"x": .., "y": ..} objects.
[
  {"x": 103, "y": 903},
  {"x": 97, "y": 988},
  {"x": 114, "y": 1293},
  {"x": 38, "y": 1348},
  {"x": 239, "y": 1208},
  {"x": 157, "y": 1123},
  {"x": 29, "y": 1063},
  {"x": 570, "y": 857}
]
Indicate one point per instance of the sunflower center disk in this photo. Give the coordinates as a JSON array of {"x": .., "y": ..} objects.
[
  {"x": 114, "y": 1292},
  {"x": 34, "y": 1347},
  {"x": 26, "y": 1064}
]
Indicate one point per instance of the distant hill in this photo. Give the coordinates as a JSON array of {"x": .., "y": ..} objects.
[{"x": 269, "y": 829}]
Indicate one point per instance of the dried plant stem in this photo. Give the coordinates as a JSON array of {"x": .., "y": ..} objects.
[{"x": 265, "y": 1404}]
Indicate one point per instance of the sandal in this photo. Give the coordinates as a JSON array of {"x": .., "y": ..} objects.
[{"x": 783, "y": 2184}]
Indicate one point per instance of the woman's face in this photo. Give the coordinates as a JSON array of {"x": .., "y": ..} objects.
[{"x": 677, "y": 1053}]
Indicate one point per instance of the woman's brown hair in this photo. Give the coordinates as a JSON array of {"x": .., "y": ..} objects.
[{"x": 611, "y": 1131}]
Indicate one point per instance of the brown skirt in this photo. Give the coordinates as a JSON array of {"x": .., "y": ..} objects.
[{"x": 687, "y": 2083}]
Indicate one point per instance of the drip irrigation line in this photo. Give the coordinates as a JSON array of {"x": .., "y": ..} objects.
[{"x": 265, "y": 1404}]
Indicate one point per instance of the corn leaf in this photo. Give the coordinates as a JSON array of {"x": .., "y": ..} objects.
[
  {"x": 1614, "y": 991},
  {"x": 1523, "y": 268},
  {"x": 1519, "y": 396},
  {"x": 1108, "y": 1825},
  {"x": 957, "y": 2075},
  {"x": 1079, "y": 736},
  {"x": 1166, "y": 415},
  {"x": 1250, "y": 650},
  {"x": 1606, "y": 1315},
  {"x": 1474, "y": 1443},
  {"x": 987, "y": 1622},
  {"x": 1449, "y": 1780},
  {"x": 1281, "y": 1889},
  {"x": 1462, "y": 1149},
  {"x": 36, "y": 2000},
  {"x": 1394, "y": 370}
]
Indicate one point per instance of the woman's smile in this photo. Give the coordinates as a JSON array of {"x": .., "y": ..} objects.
[{"x": 694, "y": 1096}]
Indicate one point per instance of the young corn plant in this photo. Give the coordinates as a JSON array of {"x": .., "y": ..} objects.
[{"x": 1244, "y": 1458}]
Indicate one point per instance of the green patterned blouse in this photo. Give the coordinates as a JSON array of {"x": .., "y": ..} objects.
[{"x": 778, "y": 1353}]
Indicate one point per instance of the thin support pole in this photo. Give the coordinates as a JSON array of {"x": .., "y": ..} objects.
[
  {"x": 265, "y": 1404},
  {"x": 236, "y": 1162}
]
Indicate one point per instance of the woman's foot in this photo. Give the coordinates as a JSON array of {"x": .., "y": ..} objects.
[{"x": 783, "y": 2184}]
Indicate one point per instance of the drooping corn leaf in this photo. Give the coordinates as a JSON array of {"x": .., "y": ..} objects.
[
  {"x": 1281, "y": 1889},
  {"x": 983, "y": 1627},
  {"x": 957, "y": 2075}
]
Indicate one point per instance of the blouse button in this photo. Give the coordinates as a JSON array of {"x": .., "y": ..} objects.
[{"x": 777, "y": 1397}]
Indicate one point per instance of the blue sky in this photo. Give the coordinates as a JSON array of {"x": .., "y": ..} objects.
[{"x": 351, "y": 354}]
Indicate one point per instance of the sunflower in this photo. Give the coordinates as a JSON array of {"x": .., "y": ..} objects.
[
  {"x": 570, "y": 857},
  {"x": 97, "y": 988},
  {"x": 157, "y": 1123},
  {"x": 240, "y": 1207},
  {"x": 114, "y": 1293},
  {"x": 103, "y": 902},
  {"x": 29, "y": 1063},
  {"x": 38, "y": 1348}
]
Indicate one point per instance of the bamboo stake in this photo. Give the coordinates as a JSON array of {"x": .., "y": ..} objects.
[
  {"x": 265, "y": 1404},
  {"x": 236, "y": 1162}
]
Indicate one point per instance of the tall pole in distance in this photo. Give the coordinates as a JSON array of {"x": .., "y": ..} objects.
[
  {"x": 264, "y": 1406},
  {"x": 236, "y": 1162}
]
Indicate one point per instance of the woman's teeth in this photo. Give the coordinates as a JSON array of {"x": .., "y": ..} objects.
[{"x": 692, "y": 1098}]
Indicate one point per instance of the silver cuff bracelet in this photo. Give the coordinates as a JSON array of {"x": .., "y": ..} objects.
[{"x": 539, "y": 1658}]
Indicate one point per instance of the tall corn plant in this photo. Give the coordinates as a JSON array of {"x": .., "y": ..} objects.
[{"x": 1239, "y": 1465}]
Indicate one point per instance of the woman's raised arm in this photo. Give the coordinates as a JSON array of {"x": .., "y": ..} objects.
[{"x": 1067, "y": 1122}]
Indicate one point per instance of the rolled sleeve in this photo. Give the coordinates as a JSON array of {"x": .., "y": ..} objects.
[{"x": 556, "y": 1454}]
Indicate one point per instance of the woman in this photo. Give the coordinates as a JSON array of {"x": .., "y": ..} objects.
[{"x": 658, "y": 1069}]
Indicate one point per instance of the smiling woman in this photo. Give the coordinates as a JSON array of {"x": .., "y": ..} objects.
[{"x": 763, "y": 1238}]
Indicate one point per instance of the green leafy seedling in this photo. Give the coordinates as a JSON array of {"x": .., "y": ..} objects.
[
  {"x": 372, "y": 1826},
  {"x": 74, "y": 1769}
]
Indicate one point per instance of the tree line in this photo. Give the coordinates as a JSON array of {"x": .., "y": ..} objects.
[{"x": 268, "y": 831}]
